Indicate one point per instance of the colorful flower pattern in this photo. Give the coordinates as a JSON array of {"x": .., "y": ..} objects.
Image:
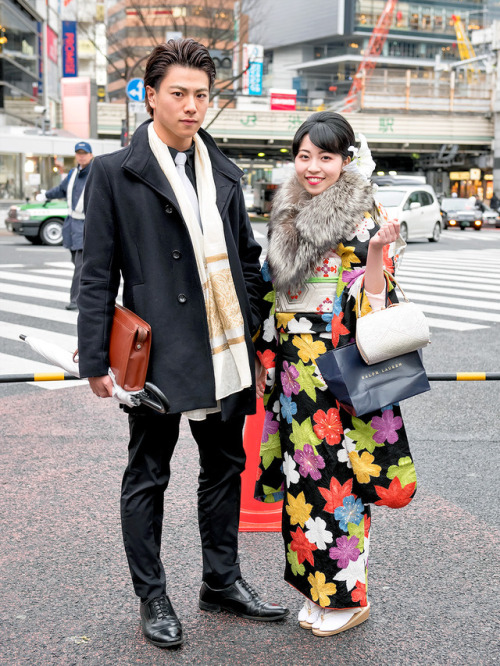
[{"x": 330, "y": 465}]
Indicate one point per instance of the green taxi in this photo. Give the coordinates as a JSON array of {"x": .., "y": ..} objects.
[{"x": 41, "y": 224}]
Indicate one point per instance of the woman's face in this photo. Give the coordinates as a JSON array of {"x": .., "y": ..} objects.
[{"x": 317, "y": 169}]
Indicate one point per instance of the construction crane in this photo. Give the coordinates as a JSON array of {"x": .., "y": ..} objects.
[
  {"x": 371, "y": 54},
  {"x": 465, "y": 48}
]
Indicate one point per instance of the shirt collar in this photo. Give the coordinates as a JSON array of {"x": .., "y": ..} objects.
[{"x": 189, "y": 154}]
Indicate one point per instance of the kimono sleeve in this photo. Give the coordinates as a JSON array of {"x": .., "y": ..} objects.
[{"x": 266, "y": 341}]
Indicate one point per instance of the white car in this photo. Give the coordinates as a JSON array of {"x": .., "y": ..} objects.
[{"x": 415, "y": 207}]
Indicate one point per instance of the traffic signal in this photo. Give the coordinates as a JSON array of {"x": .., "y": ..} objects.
[{"x": 124, "y": 133}]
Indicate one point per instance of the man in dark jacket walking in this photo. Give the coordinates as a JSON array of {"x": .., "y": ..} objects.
[
  {"x": 72, "y": 188},
  {"x": 168, "y": 214}
]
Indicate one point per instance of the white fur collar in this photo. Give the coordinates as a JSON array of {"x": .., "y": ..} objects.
[{"x": 303, "y": 228}]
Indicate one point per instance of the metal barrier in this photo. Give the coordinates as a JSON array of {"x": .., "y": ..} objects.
[{"x": 433, "y": 377}]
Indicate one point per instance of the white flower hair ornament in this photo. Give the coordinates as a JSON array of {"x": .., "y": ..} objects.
[{"x": 362, "y": 160}]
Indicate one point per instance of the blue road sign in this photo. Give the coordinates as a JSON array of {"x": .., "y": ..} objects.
[{"x": 135, "y": 90}]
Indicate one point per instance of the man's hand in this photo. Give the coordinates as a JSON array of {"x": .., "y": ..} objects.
[
  {"x": 41, "y": 197},
  {"x": 260, "y": 378},
  {"x": 102, "y": 386}
]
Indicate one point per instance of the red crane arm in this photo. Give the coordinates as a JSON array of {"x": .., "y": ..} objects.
[{"x": 372, "y": 52}]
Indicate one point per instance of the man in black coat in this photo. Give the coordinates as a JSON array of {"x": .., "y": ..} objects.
[{"x": 138, "y": 227}]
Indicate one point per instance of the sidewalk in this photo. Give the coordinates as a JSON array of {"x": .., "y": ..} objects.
[{"x": 66, "y": 593}]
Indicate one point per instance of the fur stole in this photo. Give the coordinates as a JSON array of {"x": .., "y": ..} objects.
[{"x": 302, "y": 228}]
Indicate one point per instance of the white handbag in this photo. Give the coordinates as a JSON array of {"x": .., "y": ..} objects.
[{"x": 391, "y": 331}]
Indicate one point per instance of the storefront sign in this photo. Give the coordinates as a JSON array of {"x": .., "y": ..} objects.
[
  {"x": 40, "y": 59},
  {"x": 253, "y": 63},
  {"x": 475, "y": 174},
  {"x": 70, "y": 49},
  {"x": 283, "y": 100},
  {"x": 51, "y": 45},
  {"x": 459, "y": 175}
]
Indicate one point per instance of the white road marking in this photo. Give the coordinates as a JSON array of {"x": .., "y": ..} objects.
[{"x": 38, "y": 311}]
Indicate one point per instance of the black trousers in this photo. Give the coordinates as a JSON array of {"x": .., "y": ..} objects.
[
  {"x": 222, "y": 459},
  {"x": 77, "y": 259}
]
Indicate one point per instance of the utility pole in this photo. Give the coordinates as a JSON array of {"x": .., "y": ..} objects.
[
  {"x": 496, "y": 107},
  {"x": 45, "y": 28}
]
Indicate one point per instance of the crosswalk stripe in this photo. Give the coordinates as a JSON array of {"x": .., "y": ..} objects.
[
  {"x": 52, "y": 271},
  {"x": 37, "y": 279},
  {"x": 449, "y": 300},
  {"x": 453, "y": 325},
  {"x": 431, "y": 289},
  {"x": 464, "y": 284},
  {"x": 12, "y": 332},
  {"x": 11, "y": 364},
  {"x": 452, "y": 275},
  {"x": 59, "y": 264},
  {"x": 33, "y": 292},
  {"x": 480, "y": 235},
  {"x": 460, "y": 313},
  {"x": 38, "y": 311}
]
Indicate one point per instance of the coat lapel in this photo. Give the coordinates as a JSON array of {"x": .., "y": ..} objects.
[{"x": 142, "y": 163}]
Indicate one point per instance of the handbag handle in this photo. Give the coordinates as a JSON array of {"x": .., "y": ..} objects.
[{"x": 391, "y": 278}]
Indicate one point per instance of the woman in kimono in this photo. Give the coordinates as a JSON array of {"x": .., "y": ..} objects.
[{"x": 326, "y": 236}]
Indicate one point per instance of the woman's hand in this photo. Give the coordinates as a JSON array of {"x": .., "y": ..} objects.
[
  {"x": 387, "y": 234},
  {"x": 374, "y": 272},
  {"x": 260, "y": 378}
]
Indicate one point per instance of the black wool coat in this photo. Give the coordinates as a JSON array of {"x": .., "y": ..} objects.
[{"x": 134, "y": 227}]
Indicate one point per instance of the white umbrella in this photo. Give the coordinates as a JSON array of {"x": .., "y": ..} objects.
[
  {"x": 57, "y": 356},
  {"x": 150, "y": 395}
]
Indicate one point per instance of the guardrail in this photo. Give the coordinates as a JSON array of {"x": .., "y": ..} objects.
[{"x": 433, "y": 377}]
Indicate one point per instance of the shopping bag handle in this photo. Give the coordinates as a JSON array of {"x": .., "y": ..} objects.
[{"x": 390, "y": 278}]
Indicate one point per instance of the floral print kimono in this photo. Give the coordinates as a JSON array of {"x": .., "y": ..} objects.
[{"x": 326, "y": 464}]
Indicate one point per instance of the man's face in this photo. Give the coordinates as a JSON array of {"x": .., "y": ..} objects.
[
  {"x": 83, "y": 158},
  {"x": 179, "y": 105}
]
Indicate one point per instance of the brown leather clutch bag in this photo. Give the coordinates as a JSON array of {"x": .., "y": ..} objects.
[{"x": 129, "y": 348}]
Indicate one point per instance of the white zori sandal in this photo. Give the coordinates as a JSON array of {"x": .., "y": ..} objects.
[
  {"x": 308, "y": 614},
  {"x": 332, "y": 621}
]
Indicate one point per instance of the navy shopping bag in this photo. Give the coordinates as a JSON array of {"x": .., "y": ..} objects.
[{"x": 366, "y": 388}]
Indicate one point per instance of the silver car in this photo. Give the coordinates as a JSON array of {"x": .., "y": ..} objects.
[{"x": 415, "y": 207}]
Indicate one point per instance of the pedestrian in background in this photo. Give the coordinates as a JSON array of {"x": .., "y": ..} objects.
[
  {"x": 72, "y": 189},
  {"x": 328, "y": 465},
  {"x": 167, "y": 213}
]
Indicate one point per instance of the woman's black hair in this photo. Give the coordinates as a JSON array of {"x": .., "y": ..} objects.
[{"x": 328, "y": 131}]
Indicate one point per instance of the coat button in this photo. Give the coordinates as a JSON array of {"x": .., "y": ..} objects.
[
  {"x": 176, "y": 254},
  {"x": 181, "y": 298},
  {"x": 168, "y": 210}
]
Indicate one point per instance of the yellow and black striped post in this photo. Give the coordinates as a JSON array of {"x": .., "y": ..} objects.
[
  {"x": 464, "y": 377},
  {"x": 36, "y": 377},
  {"x": 433, "y": 377}
]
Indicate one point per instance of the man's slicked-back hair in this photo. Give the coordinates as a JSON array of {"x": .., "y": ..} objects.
[{"x": 183, "y": 52}]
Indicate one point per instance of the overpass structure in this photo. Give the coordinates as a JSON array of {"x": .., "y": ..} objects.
[{"x": 244, "y": 134}]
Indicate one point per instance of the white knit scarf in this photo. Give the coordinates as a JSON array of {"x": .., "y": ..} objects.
[{"x": 225, "y": 321}]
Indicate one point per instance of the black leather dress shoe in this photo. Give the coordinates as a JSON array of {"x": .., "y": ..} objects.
[
  {"x": 160, "y": 624},
  {"x": 241, "y": 599},
  {"x": 71, "y": 306}
]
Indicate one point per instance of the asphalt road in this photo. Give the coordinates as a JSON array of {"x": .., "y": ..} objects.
[{"x": 434, "y": 566}]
